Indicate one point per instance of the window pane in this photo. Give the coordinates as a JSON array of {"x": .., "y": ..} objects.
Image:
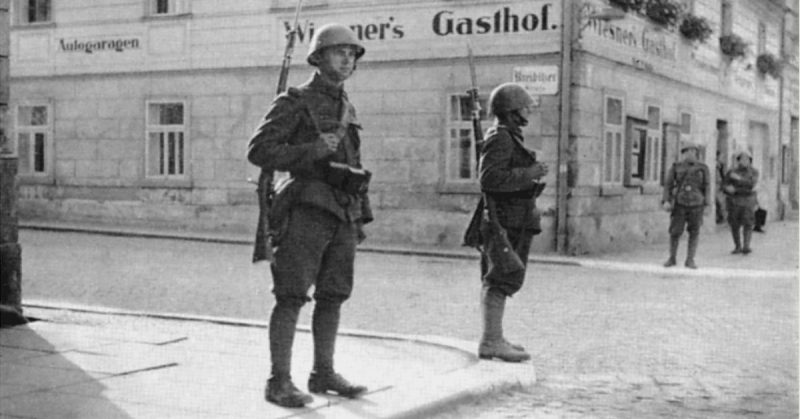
[
  {"x": 165, "y": 114},
  {"x": 32, "y": 116},
  {"x": 613, "y": 111},
  {"x": 38, "y": 152},
  {"x": 653, "y": 117},
  {"x": 618, "y": 157},
  {"x": 609, "y": 146},
  {"x": 24, "y": 152},
  {"x": 162, "y": 6},
  {"x": 465, "y": 154},
  {"x": 466, "y": 108},
  {"x": 686, "y": 123},
  {"x": 171, "y": 153},
  {"x": 180, "y": 153}
]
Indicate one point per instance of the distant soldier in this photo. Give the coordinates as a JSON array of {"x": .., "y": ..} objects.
[
  {"x": 311, "y": 132},
  {"x": 509, "y": 179},
  {"x": 739, "y": 185},
  {"x": 686, "y": 197}
]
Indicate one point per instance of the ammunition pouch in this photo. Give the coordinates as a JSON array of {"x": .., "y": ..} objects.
[{"x": 351, "y": 180}]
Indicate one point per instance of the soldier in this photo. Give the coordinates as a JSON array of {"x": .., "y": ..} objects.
[
  {"x": 509, "y": 179},
  {"x": 311, "y": 131},
  {"x": 686, "y": 197},
  {"x": 739, "y": 186}
]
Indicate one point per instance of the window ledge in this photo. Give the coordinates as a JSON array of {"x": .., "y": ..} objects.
[
  {"x": 612, "y": 190},
  {"x": 33, "y": 26},
  {"x": 167, "y": 16},
  {"x": 35, "y": 179}
]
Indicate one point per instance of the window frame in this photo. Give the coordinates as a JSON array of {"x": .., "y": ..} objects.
[
  {"x": 180, "y": 8},
  {"x": 19, "y": 12},
  {"x": 151, "y": 128},
  {"x": 47, "y": 147},
  {"x": 460, "y": 184},
  {"x": 618, "y": 142}
]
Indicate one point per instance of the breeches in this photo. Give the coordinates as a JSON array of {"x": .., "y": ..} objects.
[
  {"x": 741, "y": 215},
  {"x": 521, "y": 242},
  {"x": 318, "y": 249},
  {"x": 688, "y": 218}
]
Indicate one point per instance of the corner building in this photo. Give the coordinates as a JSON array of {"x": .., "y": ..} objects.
[{"x": 139, "y": 112}]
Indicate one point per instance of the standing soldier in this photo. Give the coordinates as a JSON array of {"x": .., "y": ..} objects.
[
  {"x": 311, "y": 132},
  {"x": 686, "y": 197},
  {"x": 739, "y": 185},
  {"x": 509, "y": 178}
]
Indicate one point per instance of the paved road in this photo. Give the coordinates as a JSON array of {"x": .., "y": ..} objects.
[{"x": 605, "y": 343}]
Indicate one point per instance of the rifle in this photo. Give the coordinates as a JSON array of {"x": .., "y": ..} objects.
[
  {"x": 265, "y": 191},
  {"x": 477, "y": 131}
]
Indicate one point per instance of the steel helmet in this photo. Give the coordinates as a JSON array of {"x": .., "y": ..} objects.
[
  {"x": 688, "y": 145},
  {"x": 744, "y": 153},
  {"x": 330, "y": 35},
  {"x": 508, "y": 97}
]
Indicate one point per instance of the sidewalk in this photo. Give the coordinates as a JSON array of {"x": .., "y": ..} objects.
[{"x": 78, "y": 362}]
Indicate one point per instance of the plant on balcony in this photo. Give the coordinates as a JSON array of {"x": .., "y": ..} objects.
[
  {"x": 767, "y": 63},
  {"x": 695, "y": 28},
  {"x": 663, "y": 12},
  {"x": 733, "y": 46},
  {"x": 628, "y": 5}
]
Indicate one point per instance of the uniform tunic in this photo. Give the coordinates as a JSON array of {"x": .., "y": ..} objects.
[
  {"x": 321, "y": 221},
  {"x": 742, "y": 202},
  {"x": 687, "y": 188},
  {"x": 506, "y": 177}
]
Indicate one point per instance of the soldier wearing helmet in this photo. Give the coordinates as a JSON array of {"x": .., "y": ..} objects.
[
  {"x": 739, "y": 186},
  {"x": 312, "y": 132},
  {"x": 686, "y": 196},
  {"x": 510, "y": 181}
]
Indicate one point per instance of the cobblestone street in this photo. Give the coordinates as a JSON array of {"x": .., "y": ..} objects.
[{"x": 605, "y": 343}]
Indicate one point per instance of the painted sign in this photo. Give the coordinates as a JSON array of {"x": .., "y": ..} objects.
[
  {"x": 538, "y": 79},
  {"x": 90, "y": 46},
  {"x": 513, "y": 27}
]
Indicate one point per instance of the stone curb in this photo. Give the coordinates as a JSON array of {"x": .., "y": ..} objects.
[{"x": 441, "y": 393}]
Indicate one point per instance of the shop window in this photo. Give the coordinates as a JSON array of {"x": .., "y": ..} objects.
[
  {"x": 166, "y": 140},
  {"x": 613, "y": 147},
  {"x": 33, "y": 11},
  {"x": 33, "y": 139},
  {"x": 167, "y": 7},
  {"x": 460, "y": 162}
]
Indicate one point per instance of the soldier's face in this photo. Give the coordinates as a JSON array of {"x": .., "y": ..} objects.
[{"x": 338, "y": 62}]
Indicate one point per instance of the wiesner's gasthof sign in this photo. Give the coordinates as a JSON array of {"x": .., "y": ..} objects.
[
  {"x": 537, "y": 79},
  {"x": 98, "y": 45}
]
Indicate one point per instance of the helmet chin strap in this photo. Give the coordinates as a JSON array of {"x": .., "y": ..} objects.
[{"x": 518, "y": 119}]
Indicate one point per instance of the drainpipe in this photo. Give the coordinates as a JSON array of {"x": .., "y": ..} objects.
[
  {"x": 782, "y": 49},
  {"x": 562, "y": 189}
]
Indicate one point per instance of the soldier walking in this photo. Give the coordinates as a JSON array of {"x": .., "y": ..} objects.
[
  {"x": 686, "y": 198},
  {"x": 509, "y": 178},
  {"x": 739, "y": 186},
  {"x": 311, "y": 131}
]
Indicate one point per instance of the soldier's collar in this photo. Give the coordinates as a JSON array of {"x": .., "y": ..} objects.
[{"x": 319, "y": 84}]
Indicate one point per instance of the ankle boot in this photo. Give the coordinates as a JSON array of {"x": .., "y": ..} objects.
[
  {"x": 673, "y": 250},
  {"x": 737, "y": 241},
  {"x": 493, "y": 344},
  {"x": 281, "y": 391},
  {"x": 692, "y": 250}
]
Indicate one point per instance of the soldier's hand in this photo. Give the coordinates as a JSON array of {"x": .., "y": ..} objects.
[
  {"x": 667, "y": 206},
  {"x": 538, "y": 170},
  {"x": 331, "y": 140}
]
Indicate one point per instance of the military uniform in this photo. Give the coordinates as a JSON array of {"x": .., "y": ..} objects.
[
  {"x": 687, "y": 190},
  {"x": 741, "y": 202},
  {"x": 317, "y": 215}
]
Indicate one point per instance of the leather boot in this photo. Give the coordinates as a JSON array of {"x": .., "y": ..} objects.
[
  {"x": 748, "y": 234},
  {"x": 692, "y": 250},
  {"x": 493, "y": 344},
  {"x": 324, "y": 327},
  {"x": 281, "y": 391},
  {"x": 737, "y": 241},
  {"x": 673, "y": 251}
]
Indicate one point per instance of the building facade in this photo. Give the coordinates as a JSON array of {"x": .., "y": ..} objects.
[{"x": 140, "y": 111}]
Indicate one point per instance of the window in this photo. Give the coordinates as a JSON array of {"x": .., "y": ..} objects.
[
  {"x": 726, "y": 18},
  {"x": 686, "y": 123},
  {"x": 166, "y": 140},
  {"x": 167, "y": 7},
  {"x": 613, "y": 147},
  {"x": 33, "y": 133},
  {"x": 34, "y": 11},
  {"x": 652, "y": 172},
  {"x": 460, "y": 161}
]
